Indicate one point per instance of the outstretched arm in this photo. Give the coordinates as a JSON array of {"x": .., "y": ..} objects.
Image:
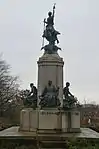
[
  {"x": 54, "y": 10},
  {"x": 71, "y": 94}
]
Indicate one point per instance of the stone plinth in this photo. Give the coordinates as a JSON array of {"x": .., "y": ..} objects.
[
  {"x": 47, "y": 119},
  {"x": 50, "y": 67},
  {"x": 28, "y": 120},
  {"x": 50, "y": 119},
  {"x": 71, "y": 121}
]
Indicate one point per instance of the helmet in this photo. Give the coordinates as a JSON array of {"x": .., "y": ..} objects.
[{"x": 50, "y": 13}]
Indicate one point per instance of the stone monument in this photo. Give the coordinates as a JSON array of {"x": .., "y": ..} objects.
[
  {"x": 50, "y": 65},
  {"x": 50, "y": 115},
  {"x": 55, "y": 108}
]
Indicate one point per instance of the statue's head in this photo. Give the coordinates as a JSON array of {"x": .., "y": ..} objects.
[
  {"x": 49, "y": 82},
  {"x": 49, "y": 14},
  {"x": 31, "y": 85},
  {"x": 67, "y": 84}
]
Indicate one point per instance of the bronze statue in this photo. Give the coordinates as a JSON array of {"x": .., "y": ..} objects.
[
  {"x": 51, "y": 49},
  {"x": 66, "y": 91},
  {"x": 50, "y": 33},
  {"x": 49, "y": 97},
  {"x": 31, "y": 99},
  {"x": 33, "y": 92},
  {"x": 70, "y": 101}
]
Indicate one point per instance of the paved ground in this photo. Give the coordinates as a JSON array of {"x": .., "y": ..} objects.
[{"x": 13, "y": 132}]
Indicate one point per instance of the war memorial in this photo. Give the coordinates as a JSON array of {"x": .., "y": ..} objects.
[{"x": 50, "y": 117}]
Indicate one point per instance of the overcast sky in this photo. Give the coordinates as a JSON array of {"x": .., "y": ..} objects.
[{"x": 21, "y": 27}]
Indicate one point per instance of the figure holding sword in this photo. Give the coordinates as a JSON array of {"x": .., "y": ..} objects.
[{"x": 49, "y": 32}]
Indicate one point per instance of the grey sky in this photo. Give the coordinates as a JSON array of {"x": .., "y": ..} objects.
[{"x": 21, "y": 27}]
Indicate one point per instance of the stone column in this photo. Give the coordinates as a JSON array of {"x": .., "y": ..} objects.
[{"x": 50, "y": 67}]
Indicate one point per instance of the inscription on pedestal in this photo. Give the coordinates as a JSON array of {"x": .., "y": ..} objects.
[{"x": 49, "y": 119}]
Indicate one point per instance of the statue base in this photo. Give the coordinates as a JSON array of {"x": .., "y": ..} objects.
[
  {"x": 50, "y": 66},
  {"x": 49, "y": 120},
  {"x": 28, "y": 120},
  {"x": 71, "y": 121},
  {"x": 42, "y": 120}
]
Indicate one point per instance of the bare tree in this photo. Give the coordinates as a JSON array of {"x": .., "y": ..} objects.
[{"x": 8, "y": 86}]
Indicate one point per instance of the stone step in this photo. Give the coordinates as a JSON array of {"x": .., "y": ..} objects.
[
  {"x": 53, "y": 141},
  {"x": 44, "y": 131},
  {"x": 53, "y": 148},
  {"x": 51, "y": 138},
  {"x": 53, "y": 144}
]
